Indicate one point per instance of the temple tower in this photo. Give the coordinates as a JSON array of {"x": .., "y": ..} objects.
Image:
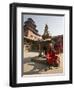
[{"x": 46, "y": 33}]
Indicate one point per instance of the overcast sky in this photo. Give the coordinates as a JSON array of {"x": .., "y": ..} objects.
[{"x": 55, "y": 23}]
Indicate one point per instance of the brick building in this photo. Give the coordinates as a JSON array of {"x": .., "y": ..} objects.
[
  {"x": 33, "y": 41},
  {"x": 30, "y": 30}
]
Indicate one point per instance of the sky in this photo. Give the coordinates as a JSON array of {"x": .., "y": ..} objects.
[{"x": 55, "y": 23}]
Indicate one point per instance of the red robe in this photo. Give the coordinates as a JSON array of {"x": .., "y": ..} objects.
[{"x": 51, "y": 57}]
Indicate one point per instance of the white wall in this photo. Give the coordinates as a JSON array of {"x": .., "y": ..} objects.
[{"x": 4, "y": 43}]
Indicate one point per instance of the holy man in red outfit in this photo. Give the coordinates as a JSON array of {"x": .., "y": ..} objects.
[{"x": 52, "y": 58}]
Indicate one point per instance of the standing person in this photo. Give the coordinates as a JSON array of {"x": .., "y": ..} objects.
[{"x": 45, "y": 50}]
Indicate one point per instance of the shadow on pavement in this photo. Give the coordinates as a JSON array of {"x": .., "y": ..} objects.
[{"x": 38, "y": 66}]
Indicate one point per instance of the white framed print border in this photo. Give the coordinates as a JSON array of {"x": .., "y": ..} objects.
[{"x": 53, "y": 16}]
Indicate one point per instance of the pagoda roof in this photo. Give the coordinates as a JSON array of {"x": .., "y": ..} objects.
[{"x": 30, "y": 20}]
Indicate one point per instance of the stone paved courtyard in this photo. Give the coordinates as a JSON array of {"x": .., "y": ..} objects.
[{"x": 30, "y": 67}]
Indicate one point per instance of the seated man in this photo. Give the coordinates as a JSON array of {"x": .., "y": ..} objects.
[{"x": 52, "y": 58}]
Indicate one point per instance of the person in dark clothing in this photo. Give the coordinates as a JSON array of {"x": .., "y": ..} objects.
[{"x": 45, "y": 50}]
